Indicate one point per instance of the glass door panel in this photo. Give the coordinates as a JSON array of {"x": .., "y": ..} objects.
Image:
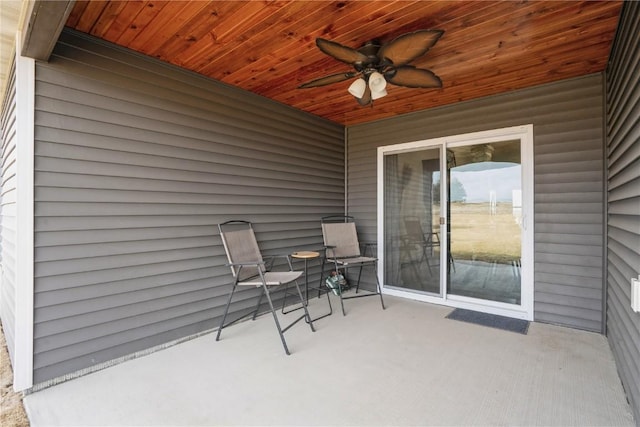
[
  {"x": 484, "y": 224},
  {"x": 412, "y": 220}
]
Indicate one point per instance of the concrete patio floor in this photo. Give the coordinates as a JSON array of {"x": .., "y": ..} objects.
[{"x": 407, "y": 365}]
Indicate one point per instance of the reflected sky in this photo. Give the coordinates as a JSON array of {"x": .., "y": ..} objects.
[{"x": 478, "y": 179}]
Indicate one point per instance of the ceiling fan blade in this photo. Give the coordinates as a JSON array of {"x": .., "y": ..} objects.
[
  {"x": 327, "y": 80},
  {"x": 366, "y": 97},
  {"x": 409, "y": 76},
  {"x": 340, "y": 52},
  {"x": 408, "y": 47}
]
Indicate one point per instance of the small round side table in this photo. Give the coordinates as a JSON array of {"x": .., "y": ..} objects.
[{"x": 306, "y": 256}]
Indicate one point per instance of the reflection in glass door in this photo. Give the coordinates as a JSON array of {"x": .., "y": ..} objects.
[
  {"x": 412, "y": 220},
  {"x": 485, "y": 214}
]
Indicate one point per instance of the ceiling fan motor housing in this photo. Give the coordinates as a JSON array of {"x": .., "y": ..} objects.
[{"x": 372, "y": 63}]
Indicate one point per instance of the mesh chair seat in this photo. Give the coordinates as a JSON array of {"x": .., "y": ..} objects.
[{"x": 272, "y": 278}]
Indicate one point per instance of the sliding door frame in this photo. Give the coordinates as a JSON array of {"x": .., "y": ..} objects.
[{"x": 525, "y": 134}]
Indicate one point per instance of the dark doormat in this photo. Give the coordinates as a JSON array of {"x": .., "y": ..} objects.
[{"x": 492, "y": 320}]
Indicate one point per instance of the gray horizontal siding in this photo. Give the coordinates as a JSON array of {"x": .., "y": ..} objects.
[
  {"x": 623, "y": 182},
  {"x": 135, "y": 164},
  {"x": 568, "y": 183},
  {"x": 8, "y": 213}
]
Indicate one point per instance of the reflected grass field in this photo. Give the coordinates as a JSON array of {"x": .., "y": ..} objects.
[{"x": 479, "y": 234}]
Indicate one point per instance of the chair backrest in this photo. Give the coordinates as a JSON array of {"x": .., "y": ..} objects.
[
  {"x": 416, "y": 234},
  {"x": 340, "y": 236},
  {"x": 241, "y": 245},
  {"x": 414, "y": 231}
]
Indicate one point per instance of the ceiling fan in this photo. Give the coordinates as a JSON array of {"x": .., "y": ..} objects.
[{"x": 376, "y": 65}]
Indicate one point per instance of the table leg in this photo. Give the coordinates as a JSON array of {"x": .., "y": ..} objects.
[{"x": 306, "y": 292}]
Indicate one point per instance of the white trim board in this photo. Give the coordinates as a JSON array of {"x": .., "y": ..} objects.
[{"x": 25, "y": 105}]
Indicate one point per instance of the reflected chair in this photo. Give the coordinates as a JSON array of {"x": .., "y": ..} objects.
[
  {"x": 249, "y": 269},
  {"x": 342, "y": 250},
  {"x": 416, "y": 237},
  {"x": 426, "y": 241}
]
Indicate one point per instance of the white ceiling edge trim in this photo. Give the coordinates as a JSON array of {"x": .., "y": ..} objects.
[{"x": 12, "y": 18}]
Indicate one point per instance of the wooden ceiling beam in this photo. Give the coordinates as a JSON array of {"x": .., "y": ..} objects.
[{"x": 46, "y": 19}]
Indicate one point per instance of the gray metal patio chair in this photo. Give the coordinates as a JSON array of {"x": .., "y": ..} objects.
[
  {"x": 342, "y": 249},
  {"x": 249, "y": 269}
]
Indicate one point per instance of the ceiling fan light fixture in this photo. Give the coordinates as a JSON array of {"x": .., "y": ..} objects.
[
  {"x": 377, "y": 82},
  {"x": 357, "y": 88},
  {"x": 375, "y": 94}
]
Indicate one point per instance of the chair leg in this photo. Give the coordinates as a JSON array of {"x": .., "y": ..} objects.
[
  {"x": 358, "y": 282},
  {"x": 344, "y": 313},
  {"x": 426, "y": 258},
  {"x": 226, "y": 310},
  {"x": 284, "y": 299},
  {"x": 304, "y": 307},
  {"x": 330, "y": 307},
  {"x": 320, "y": 287},
  {"x": 275, "y": 318},
  {"x": 286, "y": 290},
  {"x": 286, "y": 285},
  {"x": 328, "y": 291},
  {"x": 322, "y": 266},
  {"x": 414, "y": 264},
  {"x": 255, "y": 312},
  {"x": 375, "y": 269}
]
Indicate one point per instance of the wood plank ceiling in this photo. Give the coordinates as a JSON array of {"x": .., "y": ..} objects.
[{"x": 268, "y": 47}]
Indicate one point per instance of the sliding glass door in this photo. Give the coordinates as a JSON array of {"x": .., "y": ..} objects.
[
  {"x": 459, "y": 237},
  {"x": 485, "y": 213},
  {"x": 412, "y": 215}
]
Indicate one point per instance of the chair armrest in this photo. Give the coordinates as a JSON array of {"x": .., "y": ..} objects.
[
  {"x": 242, "y": 264},
  {"x": 325, "y": 248}
]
